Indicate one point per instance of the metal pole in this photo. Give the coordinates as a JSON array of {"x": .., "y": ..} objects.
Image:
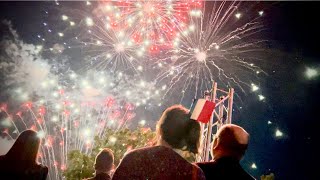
[
  {"x": 221, "y": 113},
  {"x": 209, "y": 127},
  {"x": 230, "y": 103}
]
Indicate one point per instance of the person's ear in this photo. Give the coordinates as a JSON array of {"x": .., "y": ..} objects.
[{"x": 215, "y": 143}]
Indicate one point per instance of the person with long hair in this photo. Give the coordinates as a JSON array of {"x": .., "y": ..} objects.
[
  {"x": 176, "y": 133},
  {"x": 21, "y": 160}
]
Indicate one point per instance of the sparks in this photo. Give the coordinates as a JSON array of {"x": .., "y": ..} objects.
[
  {"x": 311, "y": 73},
  {"x": 89, "y": 21},
  {"x": 261, "y": 97},
  {"x": 254, "y": 166},
  {"x": 60, "y": 34},
  {"x": 261, "y": 13},
  {"x": 199, "y": 56},
  {"x": 254, "y": 88},
  {"x": 142, "y": 122},
  {"x": 64, "y": 17},
  {"x": 278, "y": 133},
  {"x": 238, "y": 15}
]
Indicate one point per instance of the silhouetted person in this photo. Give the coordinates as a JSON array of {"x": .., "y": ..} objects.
[
  {"x": 103, "y": 165},
  {"x": 228, "y": 148},
  {"x": 176, "y": 132},
  {"x": 21, "y": 160}
]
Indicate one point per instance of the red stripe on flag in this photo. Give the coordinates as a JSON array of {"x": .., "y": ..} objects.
[{"x": 206, "y": 112}]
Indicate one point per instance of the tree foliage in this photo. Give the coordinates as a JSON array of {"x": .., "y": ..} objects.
[{"x": 80, "y": 165}]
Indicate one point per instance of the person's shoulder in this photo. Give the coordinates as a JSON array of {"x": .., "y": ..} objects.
[
  {"x": 203, "y": 165},
  {"x": 135, "y": 152},
  {"x": 144, "y": 150},
  {"x": 199, "y": 172}
]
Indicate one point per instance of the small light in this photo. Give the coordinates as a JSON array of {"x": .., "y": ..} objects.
[
  {"x": 261, "y": 97},
  {"x": 89, "y": 21},
  {"x": 64, "y": 17},
  {"x": 72, "y": 23},
  {"x": 142, "y": 122},
  {"x": 261, "y": 13},
  {"x": 254, "y": 166},
  {"x": 254, "y": 87},
  {"x": 238, "y": 15},
  {"x": 279, "y": 133}
]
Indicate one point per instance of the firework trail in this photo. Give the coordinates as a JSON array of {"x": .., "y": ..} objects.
[
  {"x": 217, "y": 45},
  {"x": 121, "y": 35},
  {"x": 188, "y": 44},
  {"x": 67, "y": 109}
]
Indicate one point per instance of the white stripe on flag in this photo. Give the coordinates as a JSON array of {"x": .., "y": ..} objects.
[{"x": 198, "y": 108}]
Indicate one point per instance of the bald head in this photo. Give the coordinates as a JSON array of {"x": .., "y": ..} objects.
[{"x": 231, "y": 140}]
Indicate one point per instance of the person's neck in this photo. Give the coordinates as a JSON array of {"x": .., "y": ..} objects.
[{"x": 163, "y": 143}]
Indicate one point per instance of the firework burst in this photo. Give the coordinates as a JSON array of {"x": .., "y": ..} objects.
[
  {"x": 154, "y": 23},
  {"x": 216, "y": 46},
  {"x": 67, "y": 109}
]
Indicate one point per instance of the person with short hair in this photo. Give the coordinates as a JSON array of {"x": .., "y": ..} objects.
[
  {"x": 21, "y": 160},
  {"x": 229, "y": 146},
  {"x": 176, "y": 132},
  {"x": 103, "y": 165}
]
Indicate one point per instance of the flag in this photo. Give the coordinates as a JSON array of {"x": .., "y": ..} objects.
[{"x": 201, "y": 110}]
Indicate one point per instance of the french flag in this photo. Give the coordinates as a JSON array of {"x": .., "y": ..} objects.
[{"x": 201, "y": 110}]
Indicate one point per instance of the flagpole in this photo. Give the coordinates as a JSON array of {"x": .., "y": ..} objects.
[
  {"x": 222, "y": 114},
  {"x": 230, "y": 104},
  {"x": 209, "y": 126}
]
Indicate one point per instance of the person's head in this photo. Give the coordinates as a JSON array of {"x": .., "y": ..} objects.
[
  {"x": 230, "y": 141},
  {"x": 104, "y": 161},
  {"x": 177, "y": 129},
  {"x": 25, "y": 148}
]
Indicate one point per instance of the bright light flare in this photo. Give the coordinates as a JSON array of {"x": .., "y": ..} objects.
[
  {"x": 201, "y": 56},
  {"x": 278, "y": 133},
  {"x": 311, "y": 73},
  {"x": 253, "y": 166},
  {"x": 41, "y": 134},
  {"x": 112, "y": 139},
  {"x": 89, "y": 21},
  {"x": 64, "y": 17},
  {"x": 254, "y": 87},
  {"x": 142, "y": 122},
  {"x": 238, "y": 15},
  {"x": 261, "y": 13},
  {"x": 261, "y": 97}
]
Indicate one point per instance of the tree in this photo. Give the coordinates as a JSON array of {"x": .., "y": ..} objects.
[{"x": 80, "y": 165}]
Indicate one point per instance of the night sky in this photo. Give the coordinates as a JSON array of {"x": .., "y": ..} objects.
[{"x": 292, "y": 100}]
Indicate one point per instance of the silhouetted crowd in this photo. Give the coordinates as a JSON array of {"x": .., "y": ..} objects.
[{"x": 175, "y": 134}]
